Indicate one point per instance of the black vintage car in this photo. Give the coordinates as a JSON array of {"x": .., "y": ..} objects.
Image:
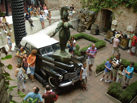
[{"x": 55, "y": 72}]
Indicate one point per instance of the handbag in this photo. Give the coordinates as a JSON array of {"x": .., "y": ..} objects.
[
  {"x": 28, "y": 70},
  {"x": 25, "y": 76}
]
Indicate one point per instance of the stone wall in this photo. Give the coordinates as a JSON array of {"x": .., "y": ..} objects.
[
  {"x": 57, "y": 4},
  {"x": 124, "y": 16},
  {"x": 3, "y": 94}
]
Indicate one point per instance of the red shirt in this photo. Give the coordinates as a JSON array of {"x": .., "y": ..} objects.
[
  {"x": 134, "y": 41},
  {"x": 49, "y": 97}
]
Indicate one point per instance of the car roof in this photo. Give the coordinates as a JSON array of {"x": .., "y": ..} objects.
[{"x": 38, "y": 40}]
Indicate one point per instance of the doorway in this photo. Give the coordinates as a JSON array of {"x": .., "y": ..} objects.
[{"x": 106, "y": 19}]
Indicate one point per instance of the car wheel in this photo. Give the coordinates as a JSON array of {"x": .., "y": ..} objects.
[{"x": 51, "y": 81}]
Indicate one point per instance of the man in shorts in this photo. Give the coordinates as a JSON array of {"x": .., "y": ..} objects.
[
  {"x": 129, "y": 74},
  {"x": 91, "y": 52},
  {"x": 28, "y": 17},
  {"x": 4, "y": 22},
  {"x": 115, "y": 65},
  {"x": 71, "y": 11},
  {"x": 133, "y": 44},
  {"x": 107, "y": 70}
]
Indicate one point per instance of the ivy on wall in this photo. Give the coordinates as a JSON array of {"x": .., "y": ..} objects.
[{"x": 97, "y": 5}]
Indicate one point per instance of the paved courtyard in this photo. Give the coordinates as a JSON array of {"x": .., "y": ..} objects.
[{"x": 96, "y": 89}]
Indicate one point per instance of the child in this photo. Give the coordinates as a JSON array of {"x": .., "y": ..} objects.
[
  {"x": 107, "y": 70},
  {"x": 49, "y": 17},
  {"x": 24, "y": 62},
  {"x": 129, "y": 74},
  {"x": 9, "y": 42},
  {"x": 120, "y": 74},
  {"x": 83, "y": 75},
  {"x": 20, "y": 77},
  {"x": 70, "y": 46}
]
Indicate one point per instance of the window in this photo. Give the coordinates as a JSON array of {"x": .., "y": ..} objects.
[
  {"x": 28, "y": 46},
  {"x": 49, "y": 49},
  {"x": 55, "y": 47}
]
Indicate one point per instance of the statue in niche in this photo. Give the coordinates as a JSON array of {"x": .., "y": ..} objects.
[
  {"x": 63, "y": 28},
  {"x": 109, "y": 34}
]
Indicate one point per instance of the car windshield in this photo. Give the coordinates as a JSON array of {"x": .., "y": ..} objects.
[{"x": 55, "y": 47}]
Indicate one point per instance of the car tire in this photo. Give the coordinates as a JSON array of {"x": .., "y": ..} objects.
[{"x": 51, "y": 81}]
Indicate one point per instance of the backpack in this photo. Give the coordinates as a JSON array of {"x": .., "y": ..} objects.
[{"x": 20, "y": 75}]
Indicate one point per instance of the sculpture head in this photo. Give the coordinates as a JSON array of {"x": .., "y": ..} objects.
[{"x": 64, "y": 13}]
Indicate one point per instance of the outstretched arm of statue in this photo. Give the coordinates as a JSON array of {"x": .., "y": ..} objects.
[
  {"x": 71, "y": 26},
  {"x": 57, "y": 29}
]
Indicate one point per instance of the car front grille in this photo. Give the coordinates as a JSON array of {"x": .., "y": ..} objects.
[{"x": 70, "y": 75}]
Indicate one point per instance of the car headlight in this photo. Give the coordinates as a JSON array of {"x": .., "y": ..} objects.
[{"x": 60, "y": 77}]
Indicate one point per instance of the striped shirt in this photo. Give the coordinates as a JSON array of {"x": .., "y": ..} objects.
[
  {"x": 91, "y": 51},
  {"x": 117, "y": 61}
]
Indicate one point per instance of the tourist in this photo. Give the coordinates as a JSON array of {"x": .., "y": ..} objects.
[
  {"x": 45, "y": 9},
  {"x": 20, "y": 77},
  {"x": 121, "y": 36},
  {"x": 24, "y": 62},
  {"x": 38, "y": 10},
  {"x": 20, "y": 53},
  {"x": 133, "y": 44},
  {"x": 49, "y": 17},
  {"x": 107, "y": 70},
  {"x": 74, "y": 44},
  {"x": 9, "y": 43},
  {"x": 4, "y": 22},
  {"x": 70, "y": 46},
  {"x": 49, "y": 96},
  {"x": 30, "y": 10},
  {"x": 130, "y": 40},
  {"x": 33, "y": 95},
  {"x": 3, "y": 26},
  {"x": 31, "y": 63},
  {"x": 129, "y": 74},
  {"x": 83, "y": 76},
  {"x": 41, "y": 8},
  {"x": 71, "y": 12},
  {"x": 28, "y": 17},
  {"x": 35, "y": 12},
  {"x": 116, "y": 44},
  {"x": 42, "y": 19},
  {"x": 115, "y": 65},
  {"x": 91, "y": 52},
  {"x": 115, "y": 32},
  {"x": 120, "y": 74}
]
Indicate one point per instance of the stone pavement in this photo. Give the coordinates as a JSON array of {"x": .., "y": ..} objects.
[{"x": 96, "y": 89}]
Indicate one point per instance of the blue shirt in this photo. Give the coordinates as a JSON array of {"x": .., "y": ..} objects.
[
  {"x": 108, "y": 65},
  {"x": 131, "y": 71},
  {"x": 33, "y": 96},
  {"x": 27, "y": 16},
  {"x": 70, "y": 48}
]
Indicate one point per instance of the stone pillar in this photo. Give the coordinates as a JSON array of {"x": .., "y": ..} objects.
[
  {"x": 4, "y": 98},
  {"x": 18, "y": 20}
]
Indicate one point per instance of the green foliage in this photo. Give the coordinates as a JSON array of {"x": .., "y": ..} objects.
[
  {"x": 99, "y": 43},
  {"x": 97, "y": 5},
  {"x": 125, "y": 96},
  {"x": 6, "y": 57}
]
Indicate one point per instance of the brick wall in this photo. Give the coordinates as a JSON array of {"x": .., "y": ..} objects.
[{"x": 3, "y": 95}]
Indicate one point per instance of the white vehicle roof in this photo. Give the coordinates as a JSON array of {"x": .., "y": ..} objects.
[{"x": 38, "y": 40}]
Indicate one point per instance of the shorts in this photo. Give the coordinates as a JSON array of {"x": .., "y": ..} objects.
[
  {"x": 133, "y": 49},
  {"x": 129, "y": 44},
  {"x": 42, "y": 19},
  {"x": 1, "y": 25},
  {"x": 115, "y": 49},
  {"x": 32, "y": 69},
  {"x": 114, "y": 72},
  {"x": 71, "y": 13},
  {"x": 91, "y": 61},
  {"x": 119, "y": 80},
  {"x": 5, "y": 24},
  {"x": 84, "y": 81},
  {"x": 127, "y": 80},
  {"x": 33, "y": 2},
  {"x": 107, "y": 73},
  {"x": 10, "y": 44}
]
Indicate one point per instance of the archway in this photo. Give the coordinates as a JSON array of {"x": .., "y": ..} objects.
[{"x": 106, "y": 19}]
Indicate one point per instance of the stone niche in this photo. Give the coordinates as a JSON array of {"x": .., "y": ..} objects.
[
  {"x": 94, "y": 28},
  {"x": 87, "y": 18}
]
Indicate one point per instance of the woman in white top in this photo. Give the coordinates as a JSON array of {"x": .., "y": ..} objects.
[
  {"x": 20, "y": 77},
  {"x": 9, "y": 42},
  {"x": 42, "y": 19},
  {"x": 74, "y": 44}
]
